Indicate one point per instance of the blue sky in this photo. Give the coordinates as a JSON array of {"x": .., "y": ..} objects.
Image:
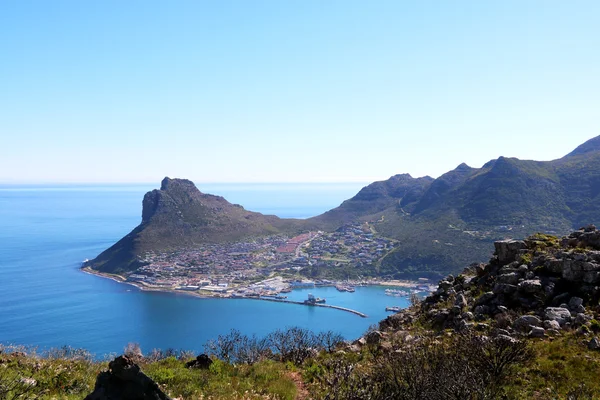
[{"x": 290, "y": 91}]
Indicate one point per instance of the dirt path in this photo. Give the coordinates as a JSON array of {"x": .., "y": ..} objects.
[{"x": 302, "y": 393}]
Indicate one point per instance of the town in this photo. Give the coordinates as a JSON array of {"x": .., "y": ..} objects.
[{"x": 264, "y": 267}]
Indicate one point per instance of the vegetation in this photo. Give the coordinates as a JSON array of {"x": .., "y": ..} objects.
[
  {"x": 432, "y": 366},
  {"x": 435, "y": 220}
]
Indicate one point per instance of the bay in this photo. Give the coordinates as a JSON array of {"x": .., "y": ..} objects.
[{"x": 46, "y": 301}]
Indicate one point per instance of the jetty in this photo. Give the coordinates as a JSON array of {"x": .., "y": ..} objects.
[{"x": 310, "y": 305}]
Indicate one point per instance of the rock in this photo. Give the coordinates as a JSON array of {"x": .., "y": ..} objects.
[
  {"x": 125, "y": 381},
  {"x": 502, "y": 337},
  {"x": 504, "y": 288},
  {"x": 201, "y": 362},
  {"x": 549, "y": 288},
  {"x": 374, "y": 337},
  {"x": 551, "y": 325},
  {"x": 592, "y": 276},
  {"x": 561, "y": 298},
  {"x": 537, "y": 332},
  {"x": 502, "y": 309},
  {"x": 581, "y": 319},
  {"x": 525, "y": 322},
  {"x": 558, "y": 314},
  {"x": 530, "y": 286},
  {"x": 575, "y": 301},
  {"x": 484, "y": 298},
  {"x": 555, "y": 266},
  {"x": 439, "y": 319},
  {"x": 464, "y": 325},
  {"x": 508, "y": 250},
  {"x": 523, "y": 269},
  {"x": 580, "y": 309},
  {"x": 481, "y": 327},
  {"x": 588, "y": 228},
  {"x": 502, "y": 332},
  {"x": 594, "y": 344},
  {"x": 480, "y": 270},
  {"x": 468, "y": 316},
  {"x": 360, "y": 342},
  {"x": 510, "y": 278},
  {"x": 461, "y": 301}
]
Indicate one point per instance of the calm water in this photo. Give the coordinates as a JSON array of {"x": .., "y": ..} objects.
[{"x": 45, "y": 301}]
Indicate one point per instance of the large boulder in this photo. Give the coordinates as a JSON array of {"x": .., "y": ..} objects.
[
  {"x": 558, "y": 314},
  {"x": 125, "y": 381},
  {"x": 508, "y": 250},
  {"x": 577, "y": 269},
  {"x": 504, "y": 288},
  {"x": 537, "y": 332},
  {"x": 201, "y": 362},
  {"x": 530, "y": 286},
  {"x": 526, "y": 322},
  {"x": 374, "y": 337},
  {"x": 511, "y": 278}
]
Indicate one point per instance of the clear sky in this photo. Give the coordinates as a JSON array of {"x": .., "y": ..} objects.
[{"x": 295, "y": 90}]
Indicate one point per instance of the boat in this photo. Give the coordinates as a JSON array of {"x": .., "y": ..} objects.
[
  {"x": 396, "y": 292},
  {"x": 394, "y": 309},
  {"x": 313, "y": 300}
]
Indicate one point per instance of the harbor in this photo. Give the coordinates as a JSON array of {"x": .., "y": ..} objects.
[{"x": 312, "y": 304}]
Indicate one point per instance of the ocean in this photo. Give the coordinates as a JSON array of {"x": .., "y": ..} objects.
[{"x": 46, "y": 231}]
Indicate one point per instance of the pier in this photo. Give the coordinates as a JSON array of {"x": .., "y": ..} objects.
[{"x": 309, "y": 305}]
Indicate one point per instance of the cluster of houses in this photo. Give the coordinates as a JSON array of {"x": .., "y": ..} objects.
[
  {"x": 215, "y": 267},
  {"x": 352, "y": 243},
  {"x": 231, "y": 267}
]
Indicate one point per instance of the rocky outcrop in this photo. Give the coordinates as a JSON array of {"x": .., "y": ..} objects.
[
  {"x": 534, "y": 287},
  {"x": 125, "y": 381},
  {"x": 201, "y": 362}
]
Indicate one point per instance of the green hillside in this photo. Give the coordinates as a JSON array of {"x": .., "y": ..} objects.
[
  {"x": 441, "y": 224},
  {"x": 447, "y": 223}
]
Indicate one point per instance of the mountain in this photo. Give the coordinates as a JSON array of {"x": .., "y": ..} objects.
[
  {"x": 376, "y": 197},
  {"x": 435, "y": 220},
  {"x": 179, "y": 215},
  {"x": 441, "y": 224}
]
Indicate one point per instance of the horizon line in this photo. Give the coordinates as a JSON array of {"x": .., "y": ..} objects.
[{"x": 47, "y": 183}]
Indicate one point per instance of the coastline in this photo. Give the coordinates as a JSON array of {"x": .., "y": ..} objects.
[
  {"x": 120, "y": 279},
  {"x": 144, "y": 288}
]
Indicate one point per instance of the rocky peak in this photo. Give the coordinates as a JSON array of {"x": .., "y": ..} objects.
[{"x": 170, "y": 185}]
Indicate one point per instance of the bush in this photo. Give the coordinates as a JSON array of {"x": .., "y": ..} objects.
[
  {"x": 288, "y": 345},
  {"x": 464, "y": 367},
  {"x": 595, "y": 326}
]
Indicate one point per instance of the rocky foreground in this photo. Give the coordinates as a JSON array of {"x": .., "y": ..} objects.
[{"x": 537, "y": 287}]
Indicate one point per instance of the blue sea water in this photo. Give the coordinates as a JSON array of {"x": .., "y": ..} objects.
[{"x": 46, "y": 301}]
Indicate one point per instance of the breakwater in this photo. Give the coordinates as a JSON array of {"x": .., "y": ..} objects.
[{"x": 309, "y": 305}]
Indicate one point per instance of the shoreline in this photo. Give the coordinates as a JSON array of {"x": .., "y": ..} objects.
[{"x": 145, "y": 288}]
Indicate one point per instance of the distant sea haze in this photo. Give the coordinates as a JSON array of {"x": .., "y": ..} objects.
[{"x": 46, "y": 301}]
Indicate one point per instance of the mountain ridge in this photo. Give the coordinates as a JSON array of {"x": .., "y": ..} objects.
[{"x": 465, "y": 208}]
